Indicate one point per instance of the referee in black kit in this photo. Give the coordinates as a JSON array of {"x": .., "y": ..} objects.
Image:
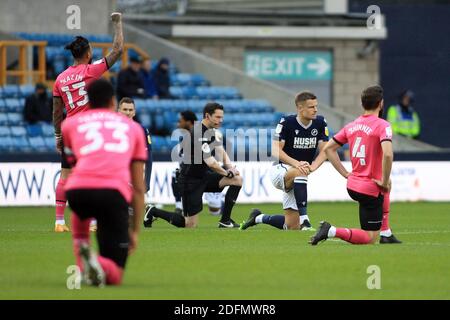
[{"x": 201, "y": 172}]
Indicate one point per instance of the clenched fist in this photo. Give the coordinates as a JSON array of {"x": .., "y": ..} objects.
[{"x": 116, "y": 17}]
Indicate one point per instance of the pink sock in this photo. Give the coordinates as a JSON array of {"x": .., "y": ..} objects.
[
  {"x": 386, "y": 209},
  {"x": 355, "y": 236},
  {"x": 80, "y": 233},
  {"x": 60, "y": 199},
  {"x": 112, "y": 271}
]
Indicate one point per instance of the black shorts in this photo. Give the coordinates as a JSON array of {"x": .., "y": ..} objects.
[
  {"x": 370, "y": 210},
  {"x": 110, "y": 209},
  {"x": 64, "y": 163},
  {"x": 192, "y": 190}
]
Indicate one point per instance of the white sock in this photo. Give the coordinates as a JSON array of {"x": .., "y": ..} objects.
[
  {"x": 259, "y": 218},
  {"x": 58, "y": 221},
  {"x": 332, "y": 232},
  {"x": 178, "y": 205},
  {"x": 386, "y": 233},
  {"x": 303, "y": 218}
]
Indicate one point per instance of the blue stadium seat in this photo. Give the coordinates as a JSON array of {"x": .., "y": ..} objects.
[
  {"x": 21, "y": 144},
  {"x": 170, "y": 120},
  {"x": 38, "y": 144},
  {"x": 34, "y": 130},
  {"x": 145, "y": 119},
  {"x": 140, "y": 104},
  {"x": 3, "y": 106},
  {"x": 10, "y": 91},
  {"x": 159, "y": 143},
  {"x": 97, "y": 53},
  {"x": 15, "y": 119},
  {"x": 14, "y": 105},
  {"x": 186, "y": 79},
  {"x": 6, "y": 144},
  {"x": 170, "y": 143},
  {"x": 18, "y": 131},
  {"x": 183, "y": 92},
  {"x": 53, "y": 52},
  {"x": 50, "y": 143},
  {"x": 5, "y": 131},
  {"x": 26, "y": 90},
  {"x": 159, "y": 123},
  {"x": 47, "y": 129},
  {"x": 3, "y": 119}
]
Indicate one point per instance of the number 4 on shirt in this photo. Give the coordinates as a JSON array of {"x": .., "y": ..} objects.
[{"x": 359, "y": 151}]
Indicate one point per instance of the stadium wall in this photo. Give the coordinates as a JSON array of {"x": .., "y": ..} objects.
[
  {"x": 49, "y": 16},
  {"x": 350, "y": 73},
  {"x": 34, "y": 184},
  {"x": 191, "y": 61}
]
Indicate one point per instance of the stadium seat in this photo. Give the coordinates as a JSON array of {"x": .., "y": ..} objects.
[
  {"x": 170, "y": 120},
  {"x": 21, "y": 144},
  {"x": 47, "y": 129},
  {"x": 14, "y": 105},
  {"x": 6, "y": 143},
  {"x": 38, "y": 144},
  {"x": 140, "y": 104},
  {"x": 4, "y": 131},
  {"x": 34, "y": 130},
  {"x": 3, "y": 106},
  {"x": 10, "y": 91},
  {"x": 3, "y": 119},
  {"x": 50, "y": 142},
  {"x": 18, "y": 131},
  {"x": 145, "y": 119},
  {"x": 159, "y": 143},
  {"x": 15, "y": 119},
  {"x": 26, "y": 90}
]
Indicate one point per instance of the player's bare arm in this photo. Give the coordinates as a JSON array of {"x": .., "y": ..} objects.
[
  {"x": 220, "y": 151},
  {"x": 388, "y": 159},
  {"x": 321, "y": 157},
  {"x": 117, "y": 47},
  {"x": 283, "y": 157},
  {"x": 331, "y": 152},
  {"x": 58, "y": 116},
  {"x": 137, "y": 171},
  {"x": 214, "y": 165}
]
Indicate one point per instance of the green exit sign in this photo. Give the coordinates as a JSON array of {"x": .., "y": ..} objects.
[{"x": 289, "y": 65}]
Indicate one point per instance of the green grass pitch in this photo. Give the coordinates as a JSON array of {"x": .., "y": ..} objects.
[{"x": 259, "y": 263}]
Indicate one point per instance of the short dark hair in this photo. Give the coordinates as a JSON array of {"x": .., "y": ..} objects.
[
  {"x": 79, "y": 46},
  {"x": 371, "y": 97},
  {"x": 211, "y": 107},
  {"x": 188, "y": 115},
  {"x": 126, "y": 100},
  {"x": 303, "y": 96},
  {"x": 100, "y": 93}
]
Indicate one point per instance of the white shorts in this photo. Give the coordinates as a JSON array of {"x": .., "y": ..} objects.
[
  {"x": 214, "y": 199},
  {"x": 277, "y": 173}
]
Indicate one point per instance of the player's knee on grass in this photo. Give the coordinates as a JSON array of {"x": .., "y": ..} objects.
[
  {"x": 373, "y": 236},
  {"x": 191, "y": 222},
  {"x": 292, "y": 219}
]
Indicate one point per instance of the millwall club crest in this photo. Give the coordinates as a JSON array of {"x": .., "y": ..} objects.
[
  {"x": 314, "y": 132},
  {"x": 296, "y": 132}
]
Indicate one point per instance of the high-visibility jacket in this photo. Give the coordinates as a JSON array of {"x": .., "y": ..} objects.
[{"x": 404, "y": 123}]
